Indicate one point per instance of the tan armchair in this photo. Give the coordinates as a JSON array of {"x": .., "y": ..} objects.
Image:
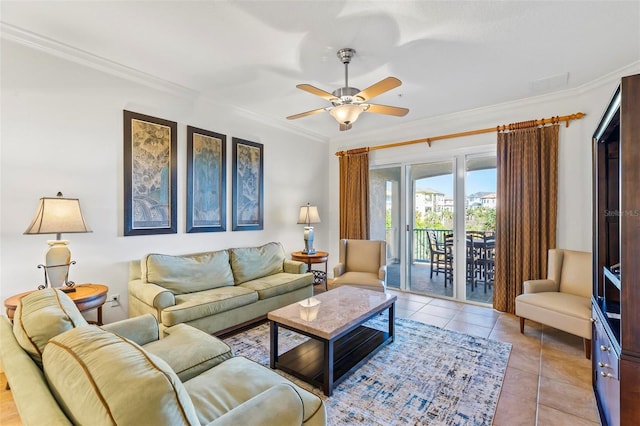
[
  {"x": 362, "y": 263},
  {"x": 563, "y": 300}
]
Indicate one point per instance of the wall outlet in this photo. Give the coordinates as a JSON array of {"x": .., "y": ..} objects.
[{"x": 114, "y": 299}]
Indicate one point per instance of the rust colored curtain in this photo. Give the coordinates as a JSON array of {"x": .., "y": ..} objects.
[
  {"x": 354, "y": 195},
  {"x": 527, "y": 201}
]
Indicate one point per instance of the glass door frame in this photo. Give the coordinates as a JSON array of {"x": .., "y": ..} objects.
[{"x": 407, "y": 213}]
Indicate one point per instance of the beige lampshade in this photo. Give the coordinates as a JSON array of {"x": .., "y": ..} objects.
[
  {"x": 57, "y": 215},
  {"x": 308, "y": 214}
]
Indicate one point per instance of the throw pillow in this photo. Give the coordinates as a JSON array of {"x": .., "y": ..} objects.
[
  {"x": 42, "y": 315},
  {"x": 188, "y": 273},
  {"x": 100, "y": 378},
  {"x": 249, "y": 263}
]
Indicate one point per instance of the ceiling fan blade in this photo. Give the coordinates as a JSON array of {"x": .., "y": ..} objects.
[
  {"x": 388, "y": 110},
  {"x": 304, "y": 114},
  {"x": 344, "y": 127},
  {"x": 378, "y": 88},
  {"x": 315, "y": 91}
]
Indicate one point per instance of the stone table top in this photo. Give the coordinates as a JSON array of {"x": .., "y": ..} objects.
[{"x": 328, "y": 314}]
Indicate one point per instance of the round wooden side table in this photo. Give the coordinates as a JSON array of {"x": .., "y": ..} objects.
[
  {"x": 86, "y": 297},
  {"x": 319, "y": 277}
]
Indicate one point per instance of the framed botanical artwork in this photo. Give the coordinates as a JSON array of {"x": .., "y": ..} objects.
[
  {"x": 149, "y": 175},
  {"x": 206, "y": 181},
  {"x": 248, "y": 185}
]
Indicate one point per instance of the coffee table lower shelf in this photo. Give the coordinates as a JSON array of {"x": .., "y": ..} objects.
[{"x": 324, "y": 363}]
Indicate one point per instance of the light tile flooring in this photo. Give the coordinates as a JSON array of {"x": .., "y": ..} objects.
[
  {"x": 548, "y": 378},
  {"x": 547, "y": 382}
]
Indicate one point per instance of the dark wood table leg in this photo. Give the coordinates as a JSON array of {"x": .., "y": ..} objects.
[
  {"x": 328, "y": 368},
  {"x": 100, "y": 315},
  {"x": 392, "y": 321},
  {"x": 273, "y": 344}
]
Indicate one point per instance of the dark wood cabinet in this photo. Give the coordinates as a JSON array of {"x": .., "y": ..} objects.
[{"x": 616, "y": 258}]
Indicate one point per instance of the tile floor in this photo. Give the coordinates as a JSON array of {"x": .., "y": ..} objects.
[
  {"x": 548, "y": 379},
  {"x": 547, "y": 382}
]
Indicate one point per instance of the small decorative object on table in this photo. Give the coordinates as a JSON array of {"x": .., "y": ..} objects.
[{"x": 309, "y": 309}]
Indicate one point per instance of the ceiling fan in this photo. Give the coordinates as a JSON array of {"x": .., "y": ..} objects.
[{"x": 348, "y": 102}]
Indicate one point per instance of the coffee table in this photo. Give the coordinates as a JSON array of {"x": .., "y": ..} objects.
[{"x": 339, "y": 343}]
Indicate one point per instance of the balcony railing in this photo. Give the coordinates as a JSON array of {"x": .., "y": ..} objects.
[{"x": 421, "y": 247}]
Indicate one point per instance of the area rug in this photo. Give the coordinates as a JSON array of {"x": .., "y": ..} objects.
[{"x": 427, "y": 376}]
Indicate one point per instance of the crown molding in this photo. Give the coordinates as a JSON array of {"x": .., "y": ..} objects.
[
  {"x": 81, "y": 57},
  {"x": 61, "y": 50}
]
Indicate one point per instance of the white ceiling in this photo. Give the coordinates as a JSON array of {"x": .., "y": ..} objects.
[{"x": 451, "y": 56}]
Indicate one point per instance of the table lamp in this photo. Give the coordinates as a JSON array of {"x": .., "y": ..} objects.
[
  {"x": 57, "y": 215},
  {"x": 308, "y": 215}
]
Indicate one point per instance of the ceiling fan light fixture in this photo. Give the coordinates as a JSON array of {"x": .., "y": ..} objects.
[{"x": 347, "y": 113}]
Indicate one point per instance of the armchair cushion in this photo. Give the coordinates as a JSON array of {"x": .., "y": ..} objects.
[
  {"x": 189, "y": 273},
  {"x": 100, "y": 378},
  {"x": 42, "y": 315},
  {"x": 563, "y": 300},
  {"x": 362, "y": 263},
  {"x": 249, "y": 263},
  {"x": 576, "y": 271},
  {"x": 363, "y": 256}
]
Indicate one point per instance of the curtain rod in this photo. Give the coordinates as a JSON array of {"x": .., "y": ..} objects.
[{"x": 506, "y": 127}]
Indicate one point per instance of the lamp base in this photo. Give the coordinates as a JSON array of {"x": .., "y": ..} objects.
[{"x": 308, "y": 240}]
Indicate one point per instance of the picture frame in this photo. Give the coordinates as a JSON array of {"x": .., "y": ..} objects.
[
  {"x": 206, "y": 181},
  {"x": 149, "y": 175},
  {"x": 248, "y": 185}
]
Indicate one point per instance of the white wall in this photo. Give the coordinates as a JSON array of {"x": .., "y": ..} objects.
[
  {"x": 62, "y": 130},
  {"x": 574, "y": 174}
]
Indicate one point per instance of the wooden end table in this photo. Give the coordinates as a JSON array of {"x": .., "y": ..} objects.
[
  {"x": 319, "y": 277},
  {"x": 86, "y": 297}
]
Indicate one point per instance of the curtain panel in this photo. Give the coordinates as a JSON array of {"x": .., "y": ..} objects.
[
  {"x": 354, "y": 196},
  {"x": 526, "y": 219}
]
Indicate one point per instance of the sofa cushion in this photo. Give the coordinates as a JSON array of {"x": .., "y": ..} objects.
[
  {"x": 99, "y": 378},
  {"x": 238, "y": 380},
  {"x": 188, "y": 273},
  {"x": 192, "y": 306},
  {"x": 277, "y": 284},
  {"x": 189, "y": 351},
  {"x": 249, "y": 263},
  {"x": 42, "y": 315}
]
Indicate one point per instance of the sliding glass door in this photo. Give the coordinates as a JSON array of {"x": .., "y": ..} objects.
[
  {"x": 438, "y": 219},
  {"x": 431, "y": 226},
  {"x": 480, "y": 227},
  {"x": 385, "y": 216}
]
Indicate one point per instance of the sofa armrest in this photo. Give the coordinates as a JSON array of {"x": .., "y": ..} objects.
[
  {"x": 141, "y": 330},
  {"x": 262, "y": 411},
  {"x": 338, "y": 270},
  {"x": 151, "y": 294},
  {"x": 539, "y": 286},
  {"x": 294, "y": 267},
  {"x": 34, "y": 401}
]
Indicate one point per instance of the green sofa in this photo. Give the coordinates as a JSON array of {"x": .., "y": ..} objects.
[
  {"x": 216, "y": 291},
  {"x": 64, "y": 371}
]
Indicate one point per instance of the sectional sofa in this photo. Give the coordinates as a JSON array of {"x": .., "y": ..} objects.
[
  {"x": 63, "y": 371},
  {"x": 216, "y": 291}
]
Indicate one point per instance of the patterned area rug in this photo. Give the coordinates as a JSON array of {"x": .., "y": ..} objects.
[{"x": 427, "y": 376}]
